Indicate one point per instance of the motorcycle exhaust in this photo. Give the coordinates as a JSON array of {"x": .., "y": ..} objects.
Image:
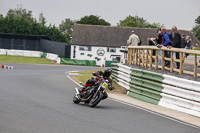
[{"x": 77, "y": 92}]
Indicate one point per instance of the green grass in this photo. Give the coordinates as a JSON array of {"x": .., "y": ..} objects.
[
  {"x": 198, "y": 48},
  {"x": 21, "y": 59}
]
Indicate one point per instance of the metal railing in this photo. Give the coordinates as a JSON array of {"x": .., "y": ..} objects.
[{"x": 143, "y": 56}]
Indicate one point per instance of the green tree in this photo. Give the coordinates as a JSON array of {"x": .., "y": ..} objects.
[
  {"x": 20, "y": 21},
  {"x": 196, "y": 28},
  {"x": 66, "y": 27},
  {"x": 42, "y": 19},
  {"x": 135, "y": 21},
  {"x": 93, "y": 20}
]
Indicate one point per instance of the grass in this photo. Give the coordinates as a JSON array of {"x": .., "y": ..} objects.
[
  {"x": 85, "y": 75},
  {"x": 22, "y": 59},
  {"x": 198, "y": 48}
]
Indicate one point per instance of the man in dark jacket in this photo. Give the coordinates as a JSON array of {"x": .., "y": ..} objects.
[
  {"x": 183, "y": 42},
  {"x": 176, "y": 43}
]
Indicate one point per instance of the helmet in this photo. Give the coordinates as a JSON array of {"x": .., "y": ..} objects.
[{"x": 107, "y": 72}]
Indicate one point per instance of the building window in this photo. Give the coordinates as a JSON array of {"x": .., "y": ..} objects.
[
  {"x": 111, "y": 50},
  {"x": 85, "y": 48}
]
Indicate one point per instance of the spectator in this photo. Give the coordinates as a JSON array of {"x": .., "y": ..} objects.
[
  {"x": 195, "y": 46},
  {"x": 166, "y": 43},
  {"x": 184, "y": 43},
  {"x": 152, "y": 42},
  {"x": 188, "y": 45},
  {"x": 133, "y": 39},
  {"x": 140, "y": 41},
  {"x": 159, "y": 39},
  {"x": 159, "y": 42},
  {"x": 176, "y": 43}
]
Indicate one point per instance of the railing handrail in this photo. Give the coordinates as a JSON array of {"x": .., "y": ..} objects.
[
  {"x": 138, "y": 56},
  {"x": 190, "y": 51}
]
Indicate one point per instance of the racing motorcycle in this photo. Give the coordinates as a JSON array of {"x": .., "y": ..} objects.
[{"x": 92, "y": 95}]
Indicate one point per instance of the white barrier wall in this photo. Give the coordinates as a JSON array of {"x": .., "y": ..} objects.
[
  {"x": 3, "y": 51},
  {"x": 27, "y": 53},
  {"x": 52, "y": 56},
  {"x": 176, "y": 93}
]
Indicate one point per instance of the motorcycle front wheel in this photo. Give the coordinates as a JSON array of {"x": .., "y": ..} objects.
[
  {"x": 76, "y": 100},
  {"x": 96, "y": 99}
]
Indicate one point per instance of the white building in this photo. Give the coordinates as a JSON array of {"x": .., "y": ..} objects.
[
  {"x": 100, "y": 54},
  {"x": 97, "y": 43}
]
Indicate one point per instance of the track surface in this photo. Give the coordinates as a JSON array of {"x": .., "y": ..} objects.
[{"x": 38, "y": 99}]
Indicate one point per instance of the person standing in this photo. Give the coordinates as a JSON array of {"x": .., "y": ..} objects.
[
  {"x": 159, "y": 43},
  {"x": 184, "y": 43},
  {"x": 133, "y": 39},
  {"x": 188, "y": 44},
  {"x": 166, "y": 43},
  {"x": 176, "y": 43}
]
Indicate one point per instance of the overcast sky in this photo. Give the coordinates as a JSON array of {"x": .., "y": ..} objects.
[{"x": 181, "y": 13}]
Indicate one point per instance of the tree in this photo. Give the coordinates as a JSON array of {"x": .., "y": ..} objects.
[
  {"x": 135, "y": 21},
  {"x": 196, "y": 28},
  {"x": 93, "y": 20},
  {"x": 66, "y": 27},
  {"x": 20, "y": 21},
  {"x": 42, "y": 19}
]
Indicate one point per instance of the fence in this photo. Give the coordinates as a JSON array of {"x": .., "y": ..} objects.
[
  {"x": 144, "y": 56},
  {"x": 34, "y": 43},
  {"x": 163, "y": 90}
]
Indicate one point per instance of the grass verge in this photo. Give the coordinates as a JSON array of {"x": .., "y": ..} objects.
[
  {"x": 22, "y": 59},
  {"x": 198, "y": 48}
]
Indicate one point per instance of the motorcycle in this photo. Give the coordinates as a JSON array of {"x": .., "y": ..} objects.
[{"x": 93, "y": 94}]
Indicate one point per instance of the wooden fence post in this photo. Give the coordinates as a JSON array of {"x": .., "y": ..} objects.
[
  {"x": 129, "y": 56},
  {"x": 171, "y": 61},
  {"x": 133, "y": 56},
  {"x": 143, "y": 58},
  {"x": 163, "y": 60},
  {"x": 147, "y": 54},
  {"x": 151, "y": 56},
  {"x": 195, "y": 66},
  {"x": 136, "y": 58},
  {"x": 156, "y": 60},
  {"x": 181, "y": 63}
]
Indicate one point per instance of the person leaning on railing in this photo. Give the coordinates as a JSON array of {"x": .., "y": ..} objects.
[
  {"x": 176, "y": 42},
  {"x": 166, "y": 43},
  {"x": 188, "y": 45}
]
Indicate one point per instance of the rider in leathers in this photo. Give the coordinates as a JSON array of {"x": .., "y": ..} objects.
[{"x": 106, "y": 74}]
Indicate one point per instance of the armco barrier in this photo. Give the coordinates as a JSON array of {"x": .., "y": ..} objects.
[
  {"x": 77, "y": 62},
  {"x": 163, "y": 90}
]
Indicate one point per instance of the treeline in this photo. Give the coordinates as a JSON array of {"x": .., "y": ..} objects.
[{"x": 21, "y": 21}]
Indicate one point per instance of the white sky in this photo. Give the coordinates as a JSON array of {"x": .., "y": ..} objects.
[{"x": 181, "y": 13}]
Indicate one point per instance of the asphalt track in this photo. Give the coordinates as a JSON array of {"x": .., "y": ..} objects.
[{"x": 38, "y": 99}]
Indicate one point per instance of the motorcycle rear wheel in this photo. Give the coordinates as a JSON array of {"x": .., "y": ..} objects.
[{"x": 95, "y": 100}]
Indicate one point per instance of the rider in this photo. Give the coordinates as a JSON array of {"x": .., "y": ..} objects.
[{"x": 106, "y": 74}]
